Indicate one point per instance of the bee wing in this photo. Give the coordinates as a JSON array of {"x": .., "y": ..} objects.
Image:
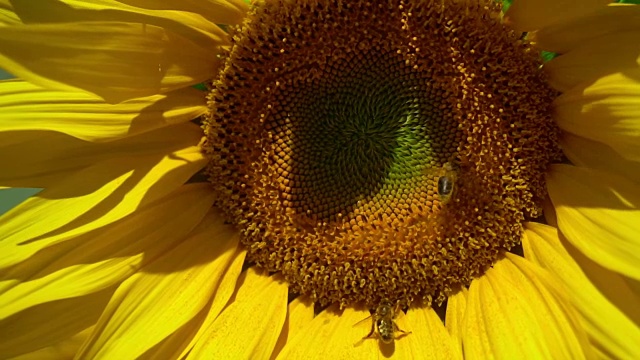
[{"x": 361, "y": 321}]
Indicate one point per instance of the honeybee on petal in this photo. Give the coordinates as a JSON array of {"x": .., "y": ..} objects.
[{"x": 383, "y": 325}]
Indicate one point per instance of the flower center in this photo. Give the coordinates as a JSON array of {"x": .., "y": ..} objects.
[{"x": 379, "y": 151}]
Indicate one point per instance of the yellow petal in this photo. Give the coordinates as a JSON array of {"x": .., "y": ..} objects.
[
  {"x": 569, "y": 35},
  {"x": 219, "y": 300},
  {"x": 228, "y": 12},
  {"x": 612, "y": 332},
  {"x": 164, "y": 295},
  {"x": 65, "y": 349},
  {"x": 608, "y": 54},
  {"x": 260, "y": 301},
  {"x": 596, "y": 155},
  {"x": 7, "y": 15},
  {"x": 249, "y": 327},
  {"x": 104, "y": 258},
  {"x": 454, "y": 320},
  {"x": 50, "y": 323},
  {"x": 529, "y": 15},
  {"x": 171, "y": 15},
  {"x": 92, "y": 198},
  {"x": 299, "y": 314},
  {"x": 607, "y": 111},
  {"x": 598, "y": 213},
  {"x": 334, "y": 334},
  {"x": 24, "y": 106},
  {"x": 40, "y": 159},
  {"x": 114, "y": 60},
  {"x": 429, "y": 338},
  {"x": 517, "y": 310}
]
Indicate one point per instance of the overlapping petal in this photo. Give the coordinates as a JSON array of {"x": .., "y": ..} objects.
[
  {"x": 164, "y": 295},
  {"x": 529, "y": 15},
  {"x": 50, "y": 323},
  {"x": 598, "y": 213},
  {"x": 24, "y": 106},
  {"x": 65, "y": 349},
  {"x": 602, "y": 56},
  {"x": 454, "y": 320},
  {"x": 428, "y": 339},
  {"x": 7, "y": 14},
  {"x": 568, "y": 35},
  {"x": 219, "y": 300},
  {"x": 107, "y": 192},
  {"x": 114, "y": 60},
  {"x": 299, "y": 314},
  {"x": 24, "y": 164},
  {"x": 613, "y": 333},
  {"x": 103, "y": 258},
  {"x": 250, "y": 325},
  {"x": 607, "y": 111},
  {"x": 596, "y": 155},
  {"x": 517, "y": 310},
  {"x": 335, "y": 334},
  {"x": 177, "y": 16}
]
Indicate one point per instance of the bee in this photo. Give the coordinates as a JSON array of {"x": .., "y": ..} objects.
[
  {"x": 383, "y": 325},
  {"x": 446, "y": 182}
]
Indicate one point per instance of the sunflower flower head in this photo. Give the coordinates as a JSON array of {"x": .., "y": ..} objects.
[
  {"x": 379, "y": 150},
  {"x": 317, "y": 179}
]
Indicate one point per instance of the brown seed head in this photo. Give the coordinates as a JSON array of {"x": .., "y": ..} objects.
[{"x": 332, "y": 122}]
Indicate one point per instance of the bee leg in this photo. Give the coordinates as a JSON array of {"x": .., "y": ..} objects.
[
  {"x": 370, "y": 334},
  {"x": 397, "y": 329}
]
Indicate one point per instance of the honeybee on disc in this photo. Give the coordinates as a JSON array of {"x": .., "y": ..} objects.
[
  {"x": 383, "y": 325},
  {"x": 447, "y": 176}
]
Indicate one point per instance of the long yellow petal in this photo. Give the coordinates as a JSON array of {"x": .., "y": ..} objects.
[
  {"x": 334, "y": 334},
  {"x": 41, "y": 159},
  {"x": 517, "y": 310},
  {"x": 103, "y": 258},
  {"x": 50, "y": 323},
  {"x": 612, "y": 332},
  {"x": 605, "y": 55},
  {"x": 299, "y": 314},
  {"x": 428, "y": 339},
  {"x": 165, "y": 294},
  {"x": 228, "y": 12},
  {"x": 114, "y": 60},
  {"x": 92, "y": 198},
  {"x": 65, "y": 349},
  {"x": 598, "y": 213},
  {"x": 529, "y": 15},
  {"x": 249, "y": 327},
  {"x": 596, "y": 155},
  {"x": 454, "y": 320},
  {"x": 171, "y": 15},
  {"x": 607, "y": 111},
  {"x": 7, "y": 15},
  {"x": 219, "y": 300},
  {"x": 569, "y": 35},
  {"x": 24, "y": 106}
]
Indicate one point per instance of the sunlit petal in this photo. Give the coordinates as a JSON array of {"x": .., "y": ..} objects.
[
  {"x": 24, "y": 106},
  {"x": 114, "y": 60},
  {"x": 598, "y": 213},
  {"x": 610, "y": 329},
  {"x": 519, "y": 311},
  {"x": 260, "y": 301},
  {"x": 108, "y": 192},
  {"x": 528, "y": 15}
]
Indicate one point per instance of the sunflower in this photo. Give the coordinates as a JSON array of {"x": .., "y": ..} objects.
[{"x": 320, "y": 179}]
